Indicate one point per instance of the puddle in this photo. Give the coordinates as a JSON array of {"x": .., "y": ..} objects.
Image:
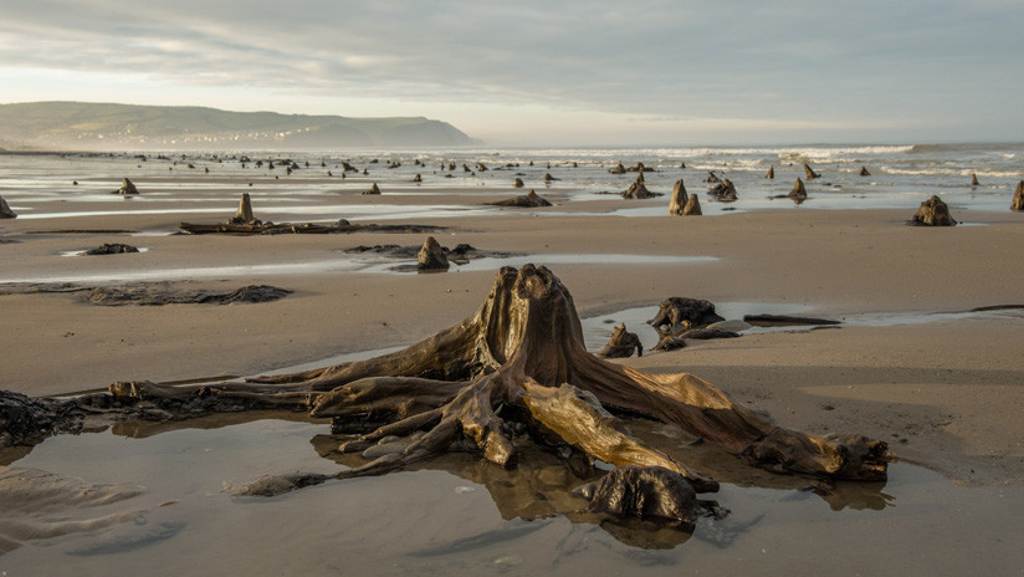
[
  {"x": 346, "y": 263},
  {"x": 460, "y": 516}
]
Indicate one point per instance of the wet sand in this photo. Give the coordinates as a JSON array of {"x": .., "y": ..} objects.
[{"x": 945, "y": 394}]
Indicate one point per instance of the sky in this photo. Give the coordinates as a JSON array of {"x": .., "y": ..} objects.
[{"x": 642, "y": 72}]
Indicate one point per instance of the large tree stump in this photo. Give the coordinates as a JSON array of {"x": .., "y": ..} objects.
[
  {"x": 678, "y": 199},
  {"x": 432, "y": 256},
  {"x": 1016, "y": 204},
  {"x": 516, "y": 370},
  {"x": 244, "y": 213}
]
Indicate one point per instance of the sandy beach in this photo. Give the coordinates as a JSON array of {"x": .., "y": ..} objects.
[{"x": 944, "y": 391}]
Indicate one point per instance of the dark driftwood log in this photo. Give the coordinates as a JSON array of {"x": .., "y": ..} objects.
[
  {"x": 517, "y": 367},
  {"x": 679, "y": 314},
  {"x": 432, "y": 256},
  {"x": 809, "y": 173},
  {"x": 932, "y": 212},
  {"x": 531, "y": 200},
  {"x": 5, "y": 210},
  {"x": 768, "y": 320},
  {"x": 1018, "y": 197},
  {"x": 621, "y": 344},
  {"x": 112, "y": 248},
  {"x": 678, "y": 199}
]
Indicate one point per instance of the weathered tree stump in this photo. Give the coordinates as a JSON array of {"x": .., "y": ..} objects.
[
  {"x": 770, "y": 175},
  {"x": 431, "y": 256},
  {"x": 974, "y": 180},
  {"x": 864, "y": 171},
  {"x": 549, "y": 178},
  {"x": 618, "y": 169},
  {"x": 621, "y": 344},
  {"x": 932, "y": 212},
  {"x": 531, "y": 200},
  {"x": 112, "y": 248},
  {"x": 1018, "y": 197},
  {"x": 518, "y": 183},
  {"x": 692, "y": 207},
  {"x": 418, "y": 178},
  {"x": 127, "y": 188},
  {"x": 678, "y": 199},
  {"x": 723, "y": 191},
  {"x": 244, "y": 214},
  {"x": 5, "y": 210},
  {"x": 809, "y": 173},
  {"x": 638, "y": 190},
  {"x": 373, "y": 190},
  {"x": 516, "y": 370},
  {"x": 799, "y": 192}
]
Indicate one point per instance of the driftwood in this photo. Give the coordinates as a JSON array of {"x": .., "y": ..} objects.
[
  {"x": 531, "y": 200},
  {"x": 5, "y": 210},
  {"x": 621, "y": 344},
  {"x": 1018, "y": 197},
  {"x": 516, "y": 370},
  {"x": 679, "y": 314},
  {"x": 932, "y": 212}
]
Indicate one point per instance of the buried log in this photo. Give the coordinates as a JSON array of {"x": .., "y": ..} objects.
[
  {"x": 621, "y": 344},
  {"x": 531, "y": 200},
  {"x": 1016, "y": 204},
  {"x": 516, "y": 370},
  {"x": 112, "y": 248},
  {"x": 432, "y": 256},
  {"x": 5, "y": 210},
  {"x": 932, "y": 212}
]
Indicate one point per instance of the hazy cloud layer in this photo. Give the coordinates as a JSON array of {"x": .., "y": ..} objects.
[{"x": 931, "y": 68}]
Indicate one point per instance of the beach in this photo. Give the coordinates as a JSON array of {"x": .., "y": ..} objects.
[{"x": 913, "y": 362}]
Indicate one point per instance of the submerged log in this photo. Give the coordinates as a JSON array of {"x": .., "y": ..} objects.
[
  {"x": 374, "y": 190},
  {"x": 809, "y": 173},
  {"x": 678, "y": 199},
  {"x": 864, "y": 171},
  {"x": 1018, "y": 197},
  {"x": 621, "y": 344},
  {"x": 932, "y": 212},
  {"x": 531, "y": 200},
  {"x": 432, "y": 256},
  {"x": 127, "y": 188},
  {"x": 112, "y": 248},
  {"x": 5, "y": 210},
  {"x": 516, "y": 371}
]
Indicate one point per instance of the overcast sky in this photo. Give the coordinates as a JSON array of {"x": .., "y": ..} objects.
[{"x": 548, "y": 72}]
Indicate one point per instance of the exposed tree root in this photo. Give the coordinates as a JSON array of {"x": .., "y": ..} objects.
[{"x": 516, "y": 369}]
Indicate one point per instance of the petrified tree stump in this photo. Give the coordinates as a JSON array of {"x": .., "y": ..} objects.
[
  {"x": 864, "y": 171},
  {"x": 549, "y": 178},
  {"x": 518, "y": 183},
  {"x": 531, "y": 200},
  {"x": 244, "y": 213},
  {"x": 373, "y": 190},
  {"x": 799, "y": 192},
  {"x": 618, "y": 169},
  {"x": 932, "y": 212},
  {"x": 431, "y": 256},
  {"x": 418, "y": 178},
  {"x": 5, "y": 210},
  {"x": 638, "y": 190},
  {"x": 771, "y": 173},
  {"x": 127, "y": 188},
  {"x": 723, "y": 191},
  {"x": 1018, "y": 197},
  {"x": 678, "y": 199},
  {"x": 112, "y": 248},
  {"x": 692, "y": 207},
  {"x": 974, "y": 180},
  {"x": 516, "y": 370},
  {"x": 621, "y": 344},
  {"x": 809, "y": 173}
]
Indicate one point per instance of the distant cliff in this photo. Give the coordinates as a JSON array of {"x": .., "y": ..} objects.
[{"x": 92, "y": 126}]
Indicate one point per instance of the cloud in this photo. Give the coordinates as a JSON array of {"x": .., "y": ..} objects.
[{"x": 800, "y": 62}]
